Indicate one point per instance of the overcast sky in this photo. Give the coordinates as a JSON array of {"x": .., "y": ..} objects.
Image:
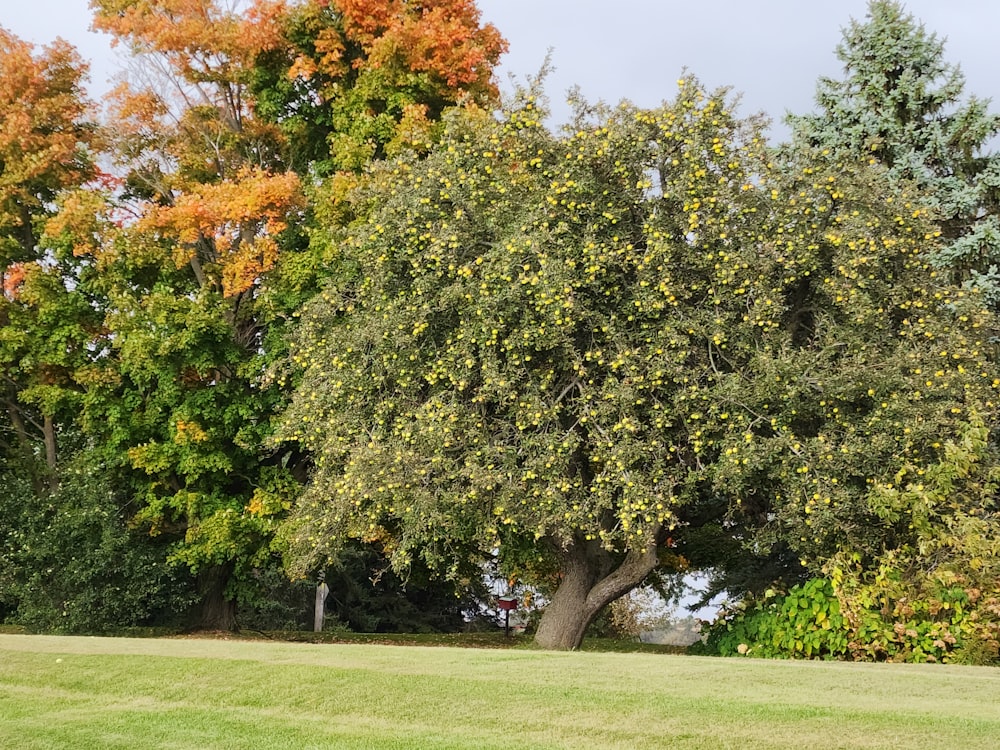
[{"x": 772, "y": 51}]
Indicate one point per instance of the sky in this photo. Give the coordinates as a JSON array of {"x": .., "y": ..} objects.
[{"x": 770, "y": 51}]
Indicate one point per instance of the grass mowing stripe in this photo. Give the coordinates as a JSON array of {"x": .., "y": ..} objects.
[{"x": 267, "y": 695}]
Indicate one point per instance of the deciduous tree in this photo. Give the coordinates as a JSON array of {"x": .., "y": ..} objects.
[
  {"x": 46, "y": 319},
  {"x": 557, "y": 345},
  {"x": 202, "y": 257}
]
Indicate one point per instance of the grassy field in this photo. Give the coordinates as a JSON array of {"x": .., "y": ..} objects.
[{"x": 62, "y": 692}]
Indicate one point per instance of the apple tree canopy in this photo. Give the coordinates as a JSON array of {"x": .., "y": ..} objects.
[{"x": 560, "y": 342}]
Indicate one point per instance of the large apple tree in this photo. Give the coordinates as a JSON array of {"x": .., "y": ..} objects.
[{"x": 553, "y": 345}]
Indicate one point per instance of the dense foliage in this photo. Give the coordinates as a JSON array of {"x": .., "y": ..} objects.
[
  {"x": 927, "y": 589},
  {"x": 202, "y": 282},
  {"x": 561, "y": 343},
  {"x": 71, "y": 564},
  {"x": 931, "y": 597},
  {"x": 151, "y": 304},
  {"x": 333, "y": 306}
]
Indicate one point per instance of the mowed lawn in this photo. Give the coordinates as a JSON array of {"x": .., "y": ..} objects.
[{"x": 62, "y": 692}]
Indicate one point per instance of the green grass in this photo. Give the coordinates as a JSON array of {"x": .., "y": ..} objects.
[
  {"x": 65, "y": 692},
  {"x": 493, "y": 639}
]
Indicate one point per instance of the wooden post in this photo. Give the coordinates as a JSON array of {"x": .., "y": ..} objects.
[{"x": 322, "y": 591}]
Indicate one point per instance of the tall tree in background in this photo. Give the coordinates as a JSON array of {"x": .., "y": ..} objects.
[
  {"x": 46, "y": 319},
  {"x": 901, "y": 104},
  {"x": 204, "y": 201},
  {"x": 200, "y": 249}
]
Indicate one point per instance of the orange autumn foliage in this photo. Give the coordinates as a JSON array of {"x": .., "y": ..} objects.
[
  {"x": 43, "y": 132},
  {"x": 207, "y": 174},
  {"x": 240, "y": 218},
  {"x": 204, "y": 40},
  {"x": 13, "y": 278},
  {"x": 442, "y": 37},
  {"x": 205, "y": 171}
]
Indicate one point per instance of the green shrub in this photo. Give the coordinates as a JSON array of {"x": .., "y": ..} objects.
[
  {"x": 885, "y": 614},
  {"x": 898, "y": 613},
  {"x": 70, "y": 564},
  {"x": 805, "y": 623}
]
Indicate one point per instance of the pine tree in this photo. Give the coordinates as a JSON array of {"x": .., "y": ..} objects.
[{"x": 902, "y": 105}]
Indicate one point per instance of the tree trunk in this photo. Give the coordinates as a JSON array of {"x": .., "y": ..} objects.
[
  {"x": 26, "y": 448},
  {"x": 218, "y": 611},
  {"x": 49, "y": 433},
  {"x": 589, "y": 583},
  {"x": 20, "y": 429}
]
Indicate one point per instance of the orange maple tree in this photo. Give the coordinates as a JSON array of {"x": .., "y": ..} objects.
[
  {"x": 44, "y": 132},
  {"x": 233, "y": 112},
  {"x": 207, "y": 173},
  {"x": 45, "y": 141},
  {"x": 441, "y": 37}
]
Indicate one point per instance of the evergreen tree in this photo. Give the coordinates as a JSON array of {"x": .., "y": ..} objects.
[{"x": 901, "y": 104}]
